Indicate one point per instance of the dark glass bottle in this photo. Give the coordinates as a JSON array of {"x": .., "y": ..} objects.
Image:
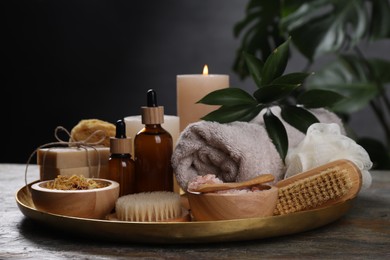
[
  {"x": 121, "y": 167},
  {"x": 153, "y": 147}
]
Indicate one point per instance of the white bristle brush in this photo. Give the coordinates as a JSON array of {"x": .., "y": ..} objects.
[
  {"x": 328, "y": 184},
  {"x": 149, "y": 206}
]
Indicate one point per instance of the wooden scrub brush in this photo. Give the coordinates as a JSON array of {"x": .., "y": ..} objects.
[{"x": 328, "y": 184}]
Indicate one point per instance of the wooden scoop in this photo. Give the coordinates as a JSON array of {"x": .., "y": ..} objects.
[{"x": 234, "y": 185}]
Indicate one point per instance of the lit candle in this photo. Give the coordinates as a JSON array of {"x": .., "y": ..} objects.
[{"x": 190, "y": 89}]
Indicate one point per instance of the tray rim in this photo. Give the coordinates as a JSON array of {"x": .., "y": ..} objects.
[{"x": 191, "y": 232}]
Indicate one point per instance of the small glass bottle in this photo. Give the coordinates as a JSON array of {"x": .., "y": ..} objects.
[
  {"x": 121, "y": 167},
  {"x": 153, "y": 147}
]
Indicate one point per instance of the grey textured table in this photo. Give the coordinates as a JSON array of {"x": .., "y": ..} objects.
[{"x": 363, "y": 233}]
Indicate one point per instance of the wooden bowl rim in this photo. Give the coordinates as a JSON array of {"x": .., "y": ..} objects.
[
  {"x": 214, "y": 194},
  {"x": 112, "y": 185}
]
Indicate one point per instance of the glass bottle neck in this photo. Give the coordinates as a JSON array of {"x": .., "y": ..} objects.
[
  {"x": 153, "y": 125},
  {"x": 121, "y": 155}
]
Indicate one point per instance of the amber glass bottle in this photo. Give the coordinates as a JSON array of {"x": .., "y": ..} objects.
[
  {"x": 153, "y": 148},
  {"x": 121, "y": 167}
]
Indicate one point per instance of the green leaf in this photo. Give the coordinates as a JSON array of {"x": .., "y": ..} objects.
[
  {"x": 228, "y": 96},
  {"x": 227, "y": 114},
  {"x": 317, "y": 98},
  {"x": 259, "y": 32},
  {"x": 381, "y": 70},
  {"x": 291, "y": 78},
  {"x": 271, "y": 93},
  {"x": 277, "y": 133},
  {"x": 252, "y": 113},
  {"x": 331, "y": 25},
  {"x": 298, "y": 117},
  {"x": 289, "y": 7},
  {"x": 251, "y": 43},
  {"x": 276, "y": 63},
  {"x": 250, "y": 18},
  {"x": 255, "y": 66},
  {"x": 380, "y": 19},
  {"x": 349, "y": 76}
]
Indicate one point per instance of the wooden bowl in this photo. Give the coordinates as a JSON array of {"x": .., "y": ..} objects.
[
  {"x": 224, "y": 206},
  {"x": 92, "y": 203}
]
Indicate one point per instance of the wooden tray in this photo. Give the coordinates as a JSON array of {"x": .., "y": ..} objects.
[{"x": 185, "y": 232}]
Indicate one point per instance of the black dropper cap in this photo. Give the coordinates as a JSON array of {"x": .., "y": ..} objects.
[
  {"x": 120, "y": 144},
  {"x": 120, "y": 129},
  {"x": 151, "y": 98},
  {"x": 152, "y": 113}
]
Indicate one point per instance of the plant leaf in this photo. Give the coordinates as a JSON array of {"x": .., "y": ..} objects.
[
  {"x": 249, "y": 19},
  {"x": 331, "y": 25},
  {"x": 298, "y": 117},
  {"x": 228, "y": 96},
  {"x": 380, "y": 19},
  {"x": 259, "y": 32},
  {"x": 255, "y": 66},
  {"x": 252, "y": 114},
  {"x": 276, "y": 63},
  {"x": 381, "y": 69},
  {"x": 277, "y": 133},
  {"x": 316, "y": 98},
  {"x": 227, "y": 114},
  {"x": 291, "y": 78},
  {"x": 289, "y": 7},
  {"x": 349, "y": 76},
  {"x": 271, "y": 93}
]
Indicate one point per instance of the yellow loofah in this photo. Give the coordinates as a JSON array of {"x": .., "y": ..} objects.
[{"x": 86, "y": 127}]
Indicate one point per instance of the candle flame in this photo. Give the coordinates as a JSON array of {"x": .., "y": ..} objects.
[{"x": 205, "y": 70}]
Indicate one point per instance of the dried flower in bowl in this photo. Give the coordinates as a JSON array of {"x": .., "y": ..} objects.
[{"x": 89, "y": 198}]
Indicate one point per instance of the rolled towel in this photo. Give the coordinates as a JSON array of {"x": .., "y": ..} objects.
[
  {"x": 294, "y": 135},
  {"x": 234, "y": 152}
]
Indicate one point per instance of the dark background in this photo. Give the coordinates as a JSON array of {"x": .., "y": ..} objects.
[{"x": 64, "y": 61}]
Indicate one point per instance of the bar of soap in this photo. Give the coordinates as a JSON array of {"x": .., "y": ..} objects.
[
  {"x": 50, "y": 173},
  {"x": 72, "y": 157}
]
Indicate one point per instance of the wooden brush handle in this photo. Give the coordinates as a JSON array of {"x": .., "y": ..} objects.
[{"x": 352, "y": 170}]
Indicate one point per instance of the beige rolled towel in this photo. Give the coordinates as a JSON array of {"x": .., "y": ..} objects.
[
  {"x": 236, "y": 151},
  {"x": 294, "y": 135}
]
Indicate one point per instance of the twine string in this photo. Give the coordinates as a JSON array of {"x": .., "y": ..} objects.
[{"x": 82, "y": 144}]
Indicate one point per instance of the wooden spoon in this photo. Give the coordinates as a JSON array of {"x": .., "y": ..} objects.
[{"x": 234, "y": 185}]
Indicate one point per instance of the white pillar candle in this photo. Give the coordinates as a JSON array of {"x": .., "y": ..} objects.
[
  {"x": 190, "y": 89},
  {"x": 134, "y": 125}
]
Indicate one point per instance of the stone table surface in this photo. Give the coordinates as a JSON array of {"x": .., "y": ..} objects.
[{"x": 362, "y": 233}]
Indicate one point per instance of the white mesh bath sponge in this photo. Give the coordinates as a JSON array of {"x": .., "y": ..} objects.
[{"x": 324, "y": 143}]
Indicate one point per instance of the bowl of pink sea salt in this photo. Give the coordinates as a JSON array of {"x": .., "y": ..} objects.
[{"x": 250, "y": 202}]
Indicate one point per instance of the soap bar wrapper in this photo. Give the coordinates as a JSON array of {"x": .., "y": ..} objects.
[
  {"x": 73, "y": 157},
  {"x": 50, "y": 173}
]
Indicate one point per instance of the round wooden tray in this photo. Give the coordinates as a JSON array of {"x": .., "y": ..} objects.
[{"x": 185, "y": 232}]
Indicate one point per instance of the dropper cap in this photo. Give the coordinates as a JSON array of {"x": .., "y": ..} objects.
[
  {"x": 152, "y": 114},
  {"x": 120, "y": 144}
]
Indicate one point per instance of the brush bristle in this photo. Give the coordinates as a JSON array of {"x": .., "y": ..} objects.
[
  {"x": 148, "y": 206},
  {"x": 313, "y": 191}
]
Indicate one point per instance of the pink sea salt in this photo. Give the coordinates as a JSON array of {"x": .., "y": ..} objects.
[
  {"x": 205, "y": 179},
  {"x": 211, "y": 179}
]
